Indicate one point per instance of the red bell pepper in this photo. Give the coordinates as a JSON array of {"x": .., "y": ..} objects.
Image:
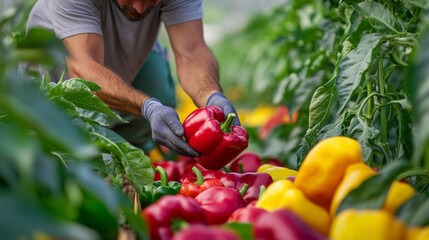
[
  {"x": 170, "y": 168},
  {"x": 246, "y": 162},
  {"x": 255, "y": 181},
  {"x": 213, "y": 137},
  {"x": 160, "y": 215},
  {"x": 198, "y": 231},
  {"x": 192, "y": 186},
  {"x": 283, "y": 224},
  {"x": 248, "y": 214},
  {"x": 219, "y": 203}
]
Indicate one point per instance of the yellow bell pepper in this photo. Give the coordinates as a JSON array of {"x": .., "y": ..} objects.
[
  {"x": 282, "y": 194},
  {"x": 417, "y": 233},
  {"x": 324, "y": 166},
  {"x": 398, "y": 194},
  {"x": 352, "y": 224},
  {"x": 355, "y": 174},
  {"x": 276, "y": 172}
]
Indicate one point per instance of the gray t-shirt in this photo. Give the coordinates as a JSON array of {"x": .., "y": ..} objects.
[{"x": 126, "y": 43}]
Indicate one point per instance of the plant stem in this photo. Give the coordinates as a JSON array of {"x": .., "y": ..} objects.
[
  {"x": 383, "y": 112},
  {"x": 370, "y": 103}
]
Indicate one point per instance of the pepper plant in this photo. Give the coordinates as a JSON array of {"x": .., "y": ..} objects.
[
  {"x": 346, "y": 66},
  {"x": 61, "y": 168}
]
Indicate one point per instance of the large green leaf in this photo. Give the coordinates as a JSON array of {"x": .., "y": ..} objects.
[
  {"x": 23, "y": 218},
  {"x": 134, "y": 162},
  {"x": 39, "y": 46},
  {"x": 321, "y": 103},
  {"x": 80, "y": 93},
  {"x": 353, "y": 67},
  {"x": 26, "y": 105},
  {"x": 415, "y": 212},
  {"x": 419, "y": 94},
  {"x": 380, "y": 17}
]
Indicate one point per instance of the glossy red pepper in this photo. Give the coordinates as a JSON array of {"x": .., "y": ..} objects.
[
  {"x": 219, "y": 203},
  {"x": 161, "y": 214},
  {"x": 213, "y": 137},
  {"x": 170, "y": 168},
  {"x": 205, "y": 232},
  {"x": 192, "y": 186},
  {"x": 248, "y": 214},
  {"x": 236, "y": 180},
  {"x": 283, "y": 224},
  {"x": 246, "y": 162}
]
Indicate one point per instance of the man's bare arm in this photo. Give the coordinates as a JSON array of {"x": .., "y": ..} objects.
[
  {"x": 197, "y": 68},
  {"x": 86, "y": 61}
]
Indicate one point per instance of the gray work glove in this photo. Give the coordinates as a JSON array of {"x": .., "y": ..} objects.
[
  {"x": 218, "y": 99},
  {"x": 166, "y": 127}
]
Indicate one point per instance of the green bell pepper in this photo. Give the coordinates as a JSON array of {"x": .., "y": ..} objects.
[{"x": 151, "y": 194}]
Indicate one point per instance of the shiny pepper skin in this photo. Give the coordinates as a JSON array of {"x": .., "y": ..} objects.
[
  {"x": 324, "y": 166},
  {"x": 352, "y": 224},
  {"x": 282, "y": 194},
  {"x": 355, "y": 174}
]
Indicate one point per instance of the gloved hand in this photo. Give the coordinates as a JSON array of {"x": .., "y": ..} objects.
[
  {"x": 218, "y": 99},
  {"x": 166, "y": 127}
]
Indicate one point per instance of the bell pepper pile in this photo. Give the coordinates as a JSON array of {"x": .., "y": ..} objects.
[{"x": 333, "y": 195}]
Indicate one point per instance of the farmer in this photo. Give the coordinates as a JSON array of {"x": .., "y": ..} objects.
[{"x": 113, "y": 43}]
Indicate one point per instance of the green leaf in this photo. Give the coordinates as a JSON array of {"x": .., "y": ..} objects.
[
  {"x": 365, "y": 134},
  {"x": 40, "y": 46},
  {"x": 424, "y": 4},
  {"x": 419, "y": 95},
  {"x": 132, "y": 160},
  {"x": 81, "y": 94},
  {"x": 24, "y": 218},
  {"x": 26, "y": 105},
  {"x": 321, "y": 103},
  {"x": 415, "y": 211},
  {"x": 92, "y": 182},
  {"x": 353, "y": 66},
  {"x": 244, "y": 230},
  {"x": 380, "y": 17},
  {"x": 372, "y": 192}
]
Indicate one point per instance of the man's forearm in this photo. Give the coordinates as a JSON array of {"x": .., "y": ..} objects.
[
  {"x": 114, "y": 92},
  {"x": 199, "y": 74}
]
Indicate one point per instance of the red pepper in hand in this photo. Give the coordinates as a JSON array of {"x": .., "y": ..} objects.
[
  {"x": 192, "y": 186},
  {"x": 198, "y": 231},
  {"x": 160, "y": 215},
  {"x": 213, "y": 137},
  {"x": 220, "y": 202},
  {"x": 246, "y": 162}
]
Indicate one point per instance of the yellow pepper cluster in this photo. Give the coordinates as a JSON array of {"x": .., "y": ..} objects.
[{"x": 330, "y": 171}]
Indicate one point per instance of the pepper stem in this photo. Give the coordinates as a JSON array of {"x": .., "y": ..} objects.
[
  {"x": 200, "y": 178},
  {"x": 163, "y": 174},
  {"x": 244, "y": 189},
  {"x": 261, "y": 190},
  {"x": 227, "y": 125}
]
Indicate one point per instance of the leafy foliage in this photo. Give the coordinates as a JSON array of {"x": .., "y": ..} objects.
[
  {"x": 346, "y": 64},
  {"x": 56, "y": 152}
]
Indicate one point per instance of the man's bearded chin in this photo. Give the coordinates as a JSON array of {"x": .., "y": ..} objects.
[{"x": 132, "y": 14}]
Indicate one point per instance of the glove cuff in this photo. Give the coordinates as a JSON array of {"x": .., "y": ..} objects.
[
  {"x": 149, "y": 106},
  {"x": 214, "y": 95}
]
